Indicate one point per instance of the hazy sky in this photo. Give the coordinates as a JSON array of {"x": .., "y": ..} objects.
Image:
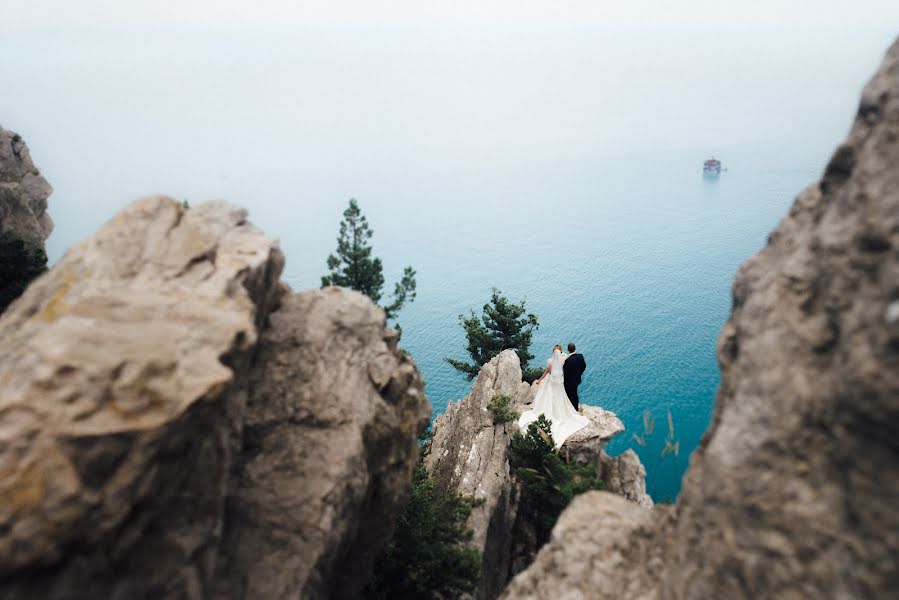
[
  {"x": 454, "y": 13},
  {"x": 299, "y": 105}
]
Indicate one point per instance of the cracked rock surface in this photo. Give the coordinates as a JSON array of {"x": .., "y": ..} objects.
[
  {"x": 468, "y": 455},
  {"x": 23, "y": 193},
  {"x": 330, "y": 440},
  {"x": 165, "y": 434}
]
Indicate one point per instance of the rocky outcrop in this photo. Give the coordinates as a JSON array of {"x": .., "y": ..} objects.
[
  {"x": 599, "y": 536},
  {"x": 585, "y": 445},
  {"x": 23, "y": 193},
  {"x": 468, "y": 454},
  {"x": 792, "y": 492},
  {"x": 330, "y": 435},
  {"x": 625, "y": 475},
  {"x": 152, "y": 446}
]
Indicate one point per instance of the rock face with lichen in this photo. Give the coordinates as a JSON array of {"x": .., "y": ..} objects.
[
  {"x": 330, "y": 435},
  {"x": 625, "y": 475},
  {"x": 23, "y": 193},
  {"x": 167, "y": 407},
  {"x": 792, "y": 492},
  {"x": 24, "y": 222},
  {"x": 468, "y": 454}
]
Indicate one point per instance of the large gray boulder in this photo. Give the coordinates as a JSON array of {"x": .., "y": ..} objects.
[
  {"x": 23, "y": 193},
  {"x": 792, "y": 492},
  {"x": 330, "y": 440},
  {"x": 122, "y": 382},
  {"x": 140, "y": 418}
]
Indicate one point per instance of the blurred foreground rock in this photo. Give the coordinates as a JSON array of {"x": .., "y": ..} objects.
[
  {"x": 330, "y": 438},
  {"x": 792, "y": 493},
  {"x": 153, "y": 444}
]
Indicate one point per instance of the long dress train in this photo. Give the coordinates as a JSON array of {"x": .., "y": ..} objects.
[{"x": 552, "y": 401}]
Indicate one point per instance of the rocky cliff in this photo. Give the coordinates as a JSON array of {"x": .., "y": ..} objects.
[
  {"x": 468, "y": 454},
  {"x": 792, "y": 492},
  {"x": 174, "y": 423},
  {"x": 23, "y": 193},
  {"x": 24, "y": 222}
]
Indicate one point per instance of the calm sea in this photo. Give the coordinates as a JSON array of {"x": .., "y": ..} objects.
[{"x": 631, "y": 258}]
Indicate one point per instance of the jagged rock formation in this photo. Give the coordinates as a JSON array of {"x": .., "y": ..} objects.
[
  {"x": 792, "y": 492},
  {"x": 24, "y": 222},
  {"x": 23, "y": 193},
  {"x": 141, "y": 418},
  {"x": 468, "y": 455},
  {"x": 330, "y": 433},
  {"x": 625, "y": 475},
  {"x": 584, "y": 446}
]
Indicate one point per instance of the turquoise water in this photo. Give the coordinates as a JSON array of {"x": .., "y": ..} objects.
[{"x": 632, "y": 258}]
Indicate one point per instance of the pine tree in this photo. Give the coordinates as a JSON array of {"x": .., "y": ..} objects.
[
  {"x": 504, "y": 325},
  {"x": 20, "y": 263},
  {"x": 354, "y": 267},
  {"x": 430, "y": 555},
  {"x": 548, "y": 483}
]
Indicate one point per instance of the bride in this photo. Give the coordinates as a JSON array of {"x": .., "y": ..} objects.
[{"x": 552, "y": 401}]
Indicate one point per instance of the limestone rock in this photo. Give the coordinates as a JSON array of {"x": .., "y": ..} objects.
[
  {"x": 586, "y": 445},
  {"x": 23, "y": 193},
  {"x": 119, "y": 412},
  {"x": 792, "y": 492},
  {"x": 625, "y": 475},
  {"x": 151, "y": 448},
  {"x": 597, "y": 537},
  {"x": 468, "y": 455},
  {"x": 330, "y": 442}
]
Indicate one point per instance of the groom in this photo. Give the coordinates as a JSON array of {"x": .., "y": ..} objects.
[{"x": 572, "y": 369}]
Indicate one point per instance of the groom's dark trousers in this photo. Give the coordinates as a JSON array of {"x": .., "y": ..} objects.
[{"x": 574, "y": 367}]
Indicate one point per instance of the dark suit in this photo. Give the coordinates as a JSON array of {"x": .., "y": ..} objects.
[{"x": 574, "y": 367}]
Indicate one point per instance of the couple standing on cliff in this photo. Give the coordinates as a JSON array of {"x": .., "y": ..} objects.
[{"x": 557, "y": 399}]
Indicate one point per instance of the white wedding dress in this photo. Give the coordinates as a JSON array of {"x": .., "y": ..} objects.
[{"x": 552, "y": 401}]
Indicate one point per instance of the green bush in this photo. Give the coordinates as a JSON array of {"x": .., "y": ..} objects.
[
  {"x": 20, "y": 263},
  {"x": 549, "y": 484},
  {"x": 429, "y": 556},
  {"x": 501, "y": 407}
]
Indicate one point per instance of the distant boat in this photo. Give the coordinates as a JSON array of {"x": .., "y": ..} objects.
[{"x": 711, "y": 168}]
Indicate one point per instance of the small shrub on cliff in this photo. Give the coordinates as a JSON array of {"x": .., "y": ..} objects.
[
  {"x": 549, "y": 484},
  {"x": 20, "y": 263},
  {"x": 504, "y": 325},
  {"x": 501, "y": 407},
  {"x": 429, "y": 556},
  {"x": 353, "y": 266}
]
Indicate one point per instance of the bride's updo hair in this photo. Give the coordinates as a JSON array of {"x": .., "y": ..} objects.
[{"x": 557, "y": 347}]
